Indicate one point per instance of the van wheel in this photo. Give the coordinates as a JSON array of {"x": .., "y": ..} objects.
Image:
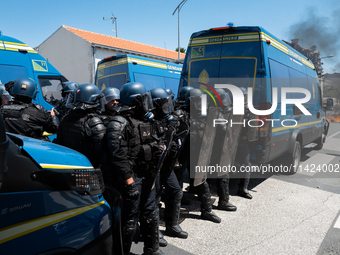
[
  {"x": 293, "y": 159},
  {"x": 319, "y": 143}
]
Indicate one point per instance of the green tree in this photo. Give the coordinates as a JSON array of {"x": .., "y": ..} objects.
[{"x": 182, "y": 50}]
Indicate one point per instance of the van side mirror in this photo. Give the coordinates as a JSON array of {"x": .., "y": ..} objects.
[{"x": 327, "y": 104}]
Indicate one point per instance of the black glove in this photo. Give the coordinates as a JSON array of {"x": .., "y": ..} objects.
[
  {"x": 157, "y": 151},
  {"x": 9, "y": 85},
  {"x": 132, "y": 191},
  {"x": 173, "y": 149}
]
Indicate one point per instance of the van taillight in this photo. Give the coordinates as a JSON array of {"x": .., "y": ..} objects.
[
  {"x": 109, "y": 58},
  {"x": 230, "y": 28}
]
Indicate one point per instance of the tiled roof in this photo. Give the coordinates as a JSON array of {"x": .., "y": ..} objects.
[{"x": 123, "y": 44}]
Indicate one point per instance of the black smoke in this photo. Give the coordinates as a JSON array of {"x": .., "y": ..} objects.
[{"x": 321, "y": 31}]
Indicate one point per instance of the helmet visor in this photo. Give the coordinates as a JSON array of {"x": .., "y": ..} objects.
[
  {"x": 167, "y": 105},
  {"x": 146, "y": 102},
  {"x": 70, "y": 102}
]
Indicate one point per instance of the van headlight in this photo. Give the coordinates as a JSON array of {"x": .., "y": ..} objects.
[
  {"x": 89, "y": 181},
  {"x": 86, "y": 181}
]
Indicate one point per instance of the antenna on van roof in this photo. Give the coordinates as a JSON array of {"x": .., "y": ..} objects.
[{"x": 114, "y": 21}]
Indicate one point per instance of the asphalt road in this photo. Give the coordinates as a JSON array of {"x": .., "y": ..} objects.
[{"x": 289, "y": 214}]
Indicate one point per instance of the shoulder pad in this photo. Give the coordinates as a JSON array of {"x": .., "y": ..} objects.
[
  {"x": 117, "y": 123},
  {"x": 13, "y": 107},
  {"x": 119, "y": 119},
  {"x": 39, "y": 107},
  {"x": 94, "y": 121}
]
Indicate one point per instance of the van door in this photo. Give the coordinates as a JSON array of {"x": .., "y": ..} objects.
[
  {"x": 204, "y": 65},
  {"x": 112, "y": 74},
  {"x": 315, "y": 109}
]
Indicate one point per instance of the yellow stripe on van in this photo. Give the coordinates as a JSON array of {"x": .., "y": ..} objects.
[
  {"x": 285, "y": 49},
  {"x": 57, "y": 166},
  {"x": 247, "y": 37},
  {"x": 147, "y": 63},
  {"x": 112, "y": 75},
  {"x": 113, "y": 63},
  {"x": 11, "y": 232},
  {"x": 18, "y": 46},
  {"x": 131, "y": 60},
  {"x": 297, "y": 126}
]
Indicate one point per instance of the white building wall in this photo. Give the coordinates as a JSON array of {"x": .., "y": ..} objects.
[{"x": 70, "y": 54}]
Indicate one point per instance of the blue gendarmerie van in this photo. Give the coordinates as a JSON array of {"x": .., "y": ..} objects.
[{"x": 251, "y": 57}]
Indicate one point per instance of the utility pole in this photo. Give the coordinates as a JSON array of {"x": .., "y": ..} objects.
[{"x": 179, "y": 7}]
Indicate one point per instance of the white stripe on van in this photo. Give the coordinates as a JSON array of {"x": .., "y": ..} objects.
[{"x": 12, "y": 46}]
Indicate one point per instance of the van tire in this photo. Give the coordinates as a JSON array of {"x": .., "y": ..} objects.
[
  {"x": 319, "y": 143},
  {"x": 293, "y": 159}
]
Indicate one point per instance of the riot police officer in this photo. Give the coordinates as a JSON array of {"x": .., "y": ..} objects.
[
  {"x": 243, "y": 153},
  {"x": 82, "y": 129},
  {"x": 134, "y": 154},
  {"x": 180, "y": 100},
  {"x": 222, "y": 182},
  {"x": 173, "y": 193},
  {"x": 181, "y": 115},
  {"x": 67, "y": 88},
  {"x": 23, "y": 117},
  {"x": 110, "y": 100},
  {"x": 197, "y": 126}
]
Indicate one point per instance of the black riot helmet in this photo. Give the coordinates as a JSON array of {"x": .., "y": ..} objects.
[
  {"x": 86, "y": 96},
  {"x": 193, "y": 98},
  {"x": 169, "y": 92},
  {"x": 111, "y": 94},
  {"x": 182, "y": 93},
  {"x": 134, "y": 95},
  {"x": 24, "y": 87},
  {"x": 67, "y": 87},
  {"x": 162, "y": 101}
]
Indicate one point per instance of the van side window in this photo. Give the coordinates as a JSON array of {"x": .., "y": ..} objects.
[
  {"x": 50, "y": 89},
  {"x": 297, "y": 80},
  {"x": 284, "y": 76},
  {"x": 279, "y": 77},
  {"x": 151, "y": 81},
  {"x": 11, "y": 73}
]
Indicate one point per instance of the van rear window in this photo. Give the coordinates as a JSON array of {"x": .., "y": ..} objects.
[
  {"x": 233, "y": 70},
  {"x": 112, "y": 80}
]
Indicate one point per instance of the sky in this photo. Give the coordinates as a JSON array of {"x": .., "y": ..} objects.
[{"x": 151, "y": 21}]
